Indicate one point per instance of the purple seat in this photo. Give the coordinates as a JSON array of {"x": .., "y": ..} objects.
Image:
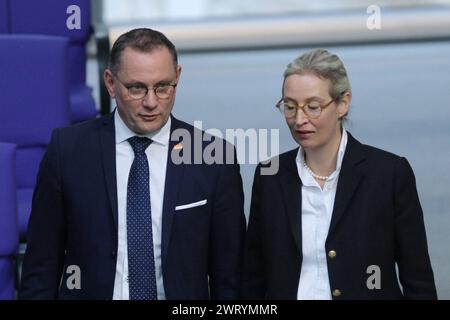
[
  {"x": 9, "y": 232},
  {"x": 35, "y": 99},
  {"x": 28, "y": 17},
  {"x": 4, "y": 16}
]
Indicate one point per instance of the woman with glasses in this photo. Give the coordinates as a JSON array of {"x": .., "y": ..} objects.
[{"x": 339, "y": 217}]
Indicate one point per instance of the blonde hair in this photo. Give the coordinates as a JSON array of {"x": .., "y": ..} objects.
[{"x": 323, "y": 64}]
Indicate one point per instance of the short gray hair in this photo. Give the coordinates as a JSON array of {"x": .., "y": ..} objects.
[{"x": 323, "y": 64}]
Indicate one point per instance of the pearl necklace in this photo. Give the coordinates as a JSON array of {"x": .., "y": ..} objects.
[{"x": 312, "y": 173}]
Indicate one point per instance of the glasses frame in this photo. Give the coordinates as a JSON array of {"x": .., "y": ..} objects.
[
  {"x": 302, "y": 106},
  {"x": 174, "y": 85}
]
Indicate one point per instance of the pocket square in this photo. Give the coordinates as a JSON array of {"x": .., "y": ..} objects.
[{"x": 191, "y": 205}]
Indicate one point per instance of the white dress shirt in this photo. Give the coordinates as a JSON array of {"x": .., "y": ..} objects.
[
  {"x": 157, "y": 159},
  {"x": 317, "y": 208}
]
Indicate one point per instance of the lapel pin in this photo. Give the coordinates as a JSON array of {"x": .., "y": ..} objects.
[{"x": 178, "y": 146}]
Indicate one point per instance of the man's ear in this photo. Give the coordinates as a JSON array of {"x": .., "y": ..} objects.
[
  {"x": 344, "y": 104},
  {"x": 179, "y": 68},
  {"x": 108, "y": 79}
]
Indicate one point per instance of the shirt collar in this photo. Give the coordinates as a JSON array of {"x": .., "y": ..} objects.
[
  {"x": 306, "y": 177},
  {"x": 341, "y": 151},
  {"x": 123, "y": 133}
]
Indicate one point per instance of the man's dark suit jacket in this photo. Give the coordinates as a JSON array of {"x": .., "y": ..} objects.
[
  {"x": 74, "y": 220},
  {"x": 377, "y": 220}
]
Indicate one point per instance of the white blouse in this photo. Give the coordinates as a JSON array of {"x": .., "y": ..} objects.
[{"x": 317, "y": 208}]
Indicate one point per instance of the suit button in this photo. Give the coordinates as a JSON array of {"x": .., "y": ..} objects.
[
  {"x": 331, "y": 254},
  {"x": 337, "y": 293},
  {"x": 113, "y": 254}
]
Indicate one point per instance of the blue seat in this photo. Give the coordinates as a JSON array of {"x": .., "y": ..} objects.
[
  {"x": 29, "y": 17},
  {"x": 34, "y": 84},
  {"x": 9, "y": 231},
  {"x": 4, "y": 16}
]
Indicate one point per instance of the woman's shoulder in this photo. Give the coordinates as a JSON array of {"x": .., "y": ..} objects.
[
  {"x": 371, "y": 151},
  {"x": 380, "y": 154},
  {"x": 375, "y": 156},
  {"x": 279, "y": 164},
  {"x": 282, "y": 158}
]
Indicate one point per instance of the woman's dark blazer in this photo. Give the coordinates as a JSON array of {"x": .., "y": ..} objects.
[{"x": 377, "y": 221}]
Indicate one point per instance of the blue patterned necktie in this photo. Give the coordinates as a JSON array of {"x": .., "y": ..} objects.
[{"x": 141, "y": 260}]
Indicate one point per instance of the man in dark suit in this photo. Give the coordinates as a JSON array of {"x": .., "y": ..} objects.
[{"x": 115, "y": 214}]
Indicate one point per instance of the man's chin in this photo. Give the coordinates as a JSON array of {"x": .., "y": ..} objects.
[{"x": 149, "y": 127}]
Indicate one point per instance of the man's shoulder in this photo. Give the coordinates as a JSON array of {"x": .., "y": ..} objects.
[
  {"x": 181, "y": 125},
  {"x": 181, "y": 128},
  {"x": 83, "y": 134},
  {"x": 204, "y": 148},
  {"x": 89, "y": 126}
]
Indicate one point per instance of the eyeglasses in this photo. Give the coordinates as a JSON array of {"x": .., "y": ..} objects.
[
  {"x": 311, "y": 109},
  {"x": 139, "y": 91}
]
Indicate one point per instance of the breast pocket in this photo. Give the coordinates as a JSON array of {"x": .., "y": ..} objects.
[
  {"x": 191, "y": 224},
  {"x": 197, "y": 204}
]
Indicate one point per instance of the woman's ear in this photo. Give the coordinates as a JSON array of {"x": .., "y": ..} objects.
[{"x": 344, "y": 104}]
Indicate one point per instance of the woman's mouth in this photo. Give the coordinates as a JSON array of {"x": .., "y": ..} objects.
[{"x": 304, "y": 134}]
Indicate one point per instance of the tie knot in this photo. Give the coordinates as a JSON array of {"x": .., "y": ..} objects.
[{"x": 139, "y": 144}]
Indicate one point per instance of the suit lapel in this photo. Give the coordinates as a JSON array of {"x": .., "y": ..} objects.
[
  {"x": 292, "y": 195},
  {"x": 174, "y": 176},
  {"x": 108, "y": 154},
  {"x": 352, "y": 172}
]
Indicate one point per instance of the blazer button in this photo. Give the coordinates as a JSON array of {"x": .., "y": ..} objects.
[
  {"x": 113, "y": 254},
  {"x": 331, "y": 254},
  {"x": 337, "y": 293}
]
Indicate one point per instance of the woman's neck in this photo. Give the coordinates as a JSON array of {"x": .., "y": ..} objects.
[{"x": 322, "y": 161}]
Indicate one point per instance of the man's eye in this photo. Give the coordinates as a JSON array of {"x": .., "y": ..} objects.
[
  {"x": 137, "y": 88},
  {"x": 162, "y": 88}
]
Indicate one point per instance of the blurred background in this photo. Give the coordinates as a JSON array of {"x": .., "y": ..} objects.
[{"x": 233, "y": 53}]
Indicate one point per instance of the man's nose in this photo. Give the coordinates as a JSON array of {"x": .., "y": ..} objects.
[{"x": 150, "y": 100}]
